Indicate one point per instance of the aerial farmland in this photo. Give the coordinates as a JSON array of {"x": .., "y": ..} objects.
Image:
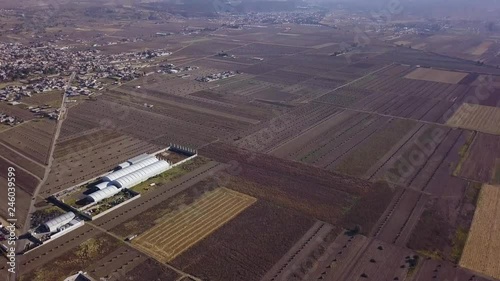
[{"x": 161, "y": 141}]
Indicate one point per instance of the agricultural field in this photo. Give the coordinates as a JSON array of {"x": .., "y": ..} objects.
[
  {"x": 281, "y": 182},
  {"x": 20, "y": 160},
  {"x": 88, "y": 156},
  {"x": 435, "y": 75},
  {"x": 124, "y": 259},
  {"x": 387, "y": 92},
  {"x": 481, "y": 250},
  {"x": 149, "y": 270},
  {"x": 348, "y": 256},
  {"x": 480, "y": 158},
  {"x": 315, "y": 240},
  {"x": 176, "y": 233},
  {"x": 481, "y": 48},
  {"x": 23, "y": 198},
  {"x": 79, "y": 258},
  {"x": 52, "y": 99},
  {"x": 17, "y": 111},
  {"x": 32, "y": 139},
  {"x": 435, "y": 269},
  {"x": 442, "y": 229},
  {"x": 369, "y": 152},
  {"x": 476, "y": 117},
  {"x": 261, "y": 226},
  {"x": 271, "y": 134},
  {"x": 317, "y": 161},
  {"x": 25, "y": 180},
  {"x": 348, "y": 142},
  {"x": 466, "y": 46}
]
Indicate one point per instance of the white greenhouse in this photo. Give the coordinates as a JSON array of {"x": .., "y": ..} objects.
[
  {"x": 123, "y": 165},
  {"x": 142, "y": 175},
  {"x": 130, "y": 169},
  {"x": 102, "y": 185},
  {"x": 100, "y": 195},
  {"x": 139, "y": 158},
  {"x": 54, "y": 224}
]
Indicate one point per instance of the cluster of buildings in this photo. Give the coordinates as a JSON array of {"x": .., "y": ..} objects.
[
  {"x": 171, "y": 68},
  {"x": 279, "y": 17},
  {"x": 217, "y": 76},
  {"x": 4, "y": 233},
  {"x": 9, "y": 120},
  {"x": 129, "y": 174},
  {"x": 40, "y": 68},
  {"x": 33, "y": 86},
  {"x": 45, "y": 111}
]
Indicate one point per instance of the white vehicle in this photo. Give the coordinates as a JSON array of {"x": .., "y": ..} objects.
[{"x": 130, "y": 238}]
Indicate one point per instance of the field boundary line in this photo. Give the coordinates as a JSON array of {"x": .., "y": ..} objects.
[
  {"x": 386, "y": 115},
  {"x": 188, "y": 237},
  {"x": 347, "y": 134},
  {"x": 13, "y": 149},
  {"x": 192, "y": 225},
  {"x": 287, "y": 141},
  {"x": 18, "y": 166},
  {"x": 307, "y": 154},
  {"x": 378, "y": 127},
  {"x": 373, "y": 170},
  {"x": 441, "y": 163},
  {"x": 180, "y": 218},
  {"x": 356, "y": 80},
  {"x": 210, "y": 227},
  {"x": 178, "y": 271}
]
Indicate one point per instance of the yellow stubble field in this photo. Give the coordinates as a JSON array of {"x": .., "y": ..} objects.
[
  {"x": 177, "y": 232},
  {"x": 436, "y": 75},
  {"x": 482, "y": 250},
  {"x": 476, "y": 117}
]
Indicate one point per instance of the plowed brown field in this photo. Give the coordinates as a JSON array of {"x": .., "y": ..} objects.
[{"x": 177, "y": 233}]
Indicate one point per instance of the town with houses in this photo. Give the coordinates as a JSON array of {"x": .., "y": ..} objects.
[{"x": 27, "y": 71}]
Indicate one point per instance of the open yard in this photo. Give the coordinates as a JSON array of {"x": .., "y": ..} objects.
[{"x": 178, "y": 232}]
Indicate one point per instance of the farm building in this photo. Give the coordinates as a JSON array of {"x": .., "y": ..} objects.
[
  {"x": 55, "y": 224},
  {"x": 139, "y": 171},
  {"x": 102, "y": 194},
  {"x": 138, "y": 158},
  {"x": 132, "y": 168},
  {"x": 141, "y": 175}
]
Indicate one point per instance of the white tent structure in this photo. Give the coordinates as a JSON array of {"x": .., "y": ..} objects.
[
  {"x": 123, "y": 165},
  {"x": 54, "y": 224},
  {"x": 139, "y": 158},
  {"x": 142, "y": 175},
  {"x": 128, "y": 177},
  {"x": 120, "y": 173},
  {"x": 102, "y": 185},
  {"x": 103, "y": 194}
]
